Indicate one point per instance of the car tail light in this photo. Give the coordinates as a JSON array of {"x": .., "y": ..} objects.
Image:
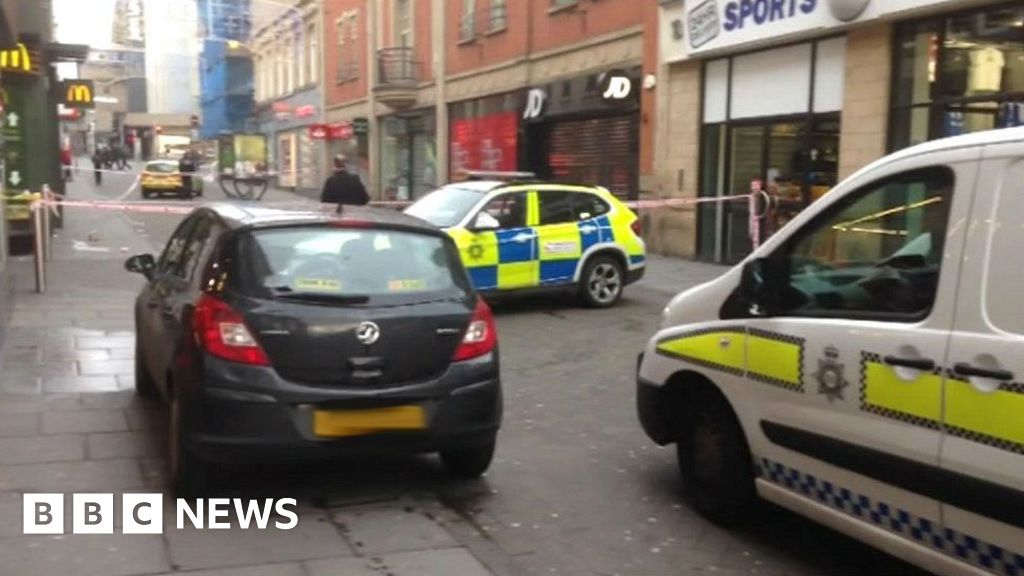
[
  {"x": 222, "y": 332},
  {"x": 637, "y": 226},
  {"x": 481, "y": 337}
]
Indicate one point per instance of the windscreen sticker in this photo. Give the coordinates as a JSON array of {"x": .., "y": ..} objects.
[
  {"x": 321, "y": 284},
  {"x": 406, "y": 285}
]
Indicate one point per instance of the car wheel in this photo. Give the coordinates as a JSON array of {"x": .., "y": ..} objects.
[
  {"x": 715, "y": 462},
  {"x": 146, "y": 193},
  {"x": 145, "y": 386},
  {"x": 184, "y": 193},
  {"x": 190, "y": 476},
  {"x": 468, "y": 463},
  {"x": 602, "y": 282}
]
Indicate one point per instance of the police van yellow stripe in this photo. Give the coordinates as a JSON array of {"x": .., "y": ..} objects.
[{"x": 762, "y": 356}]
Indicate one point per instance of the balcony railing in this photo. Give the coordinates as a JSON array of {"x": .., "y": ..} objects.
[{"x": 397, "y": 68}]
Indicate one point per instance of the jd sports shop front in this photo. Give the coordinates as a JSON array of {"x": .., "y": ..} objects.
[{"x": 586, "y": 130}]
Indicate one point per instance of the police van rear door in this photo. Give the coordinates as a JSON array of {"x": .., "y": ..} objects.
[
  {"x": 844, "y": 379},
  {"x": 983, "y": 451}
]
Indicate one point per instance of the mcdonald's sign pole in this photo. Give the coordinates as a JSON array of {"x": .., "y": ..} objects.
[{"x": 77, "y": 94}]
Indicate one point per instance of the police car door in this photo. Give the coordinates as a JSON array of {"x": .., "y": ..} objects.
[
  {"x": 846, "y": 393},
  {"x": 558, "y": 236},
  {"x": 504, "y": 258},
  {"x": 983, "y": 452}
]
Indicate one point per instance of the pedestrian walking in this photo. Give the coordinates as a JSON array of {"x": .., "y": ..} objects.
[
  {"x": 65, "y": 160},
  {"x": 97, "y": 164},
  {"x": 188, "y": 165},
  {"x": 343, "y": 187}
]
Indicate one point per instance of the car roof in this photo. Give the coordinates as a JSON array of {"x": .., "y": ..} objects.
[
  {"x": 973, "y": 140},
  {"x": 235, "y": 216},
  {"x": 487, "y": 186}
]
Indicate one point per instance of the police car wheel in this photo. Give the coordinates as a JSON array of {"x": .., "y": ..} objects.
[
  {"x": 715, "y": 462},
  {"x": 602, "y": 282},
  {"x": 468, "y": 463}
]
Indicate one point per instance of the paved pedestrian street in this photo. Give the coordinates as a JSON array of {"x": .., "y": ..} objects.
[{"x": 576, "y": 488}]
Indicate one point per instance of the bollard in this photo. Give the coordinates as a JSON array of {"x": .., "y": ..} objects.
[{"x": 39, "y": 245}]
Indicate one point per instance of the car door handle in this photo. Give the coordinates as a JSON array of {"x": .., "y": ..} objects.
[
  {"x": 922, "y": 364},
  {"x": 964, "y": 369}
]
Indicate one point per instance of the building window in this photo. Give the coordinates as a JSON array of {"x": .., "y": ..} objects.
[
  {"x": 299, "y": 50},
  {"x": 958, "y": 74},
  {"x": 499, "y": 15},
  {"x": 467, "y": 25},
  {"x": 312, "y": 63},
  {"x": 348, "y": 48},
  {"x": 403, "y": 23},
  {"x": 556, "y": 4}
]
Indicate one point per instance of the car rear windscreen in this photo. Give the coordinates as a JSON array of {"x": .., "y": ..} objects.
[
  {"x": 161, "y": 168},
  {"x": 325, "y": 264}
]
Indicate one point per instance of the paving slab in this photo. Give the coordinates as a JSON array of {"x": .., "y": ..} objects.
[
  {"x": 314, "y": 537},
  {"x": 107, "y": 555},
  {"x": 287, "y": 569},
  {"x": 346, "y": 567},
  {"x": 86, "y": 476},
  {"x": 434, "y": 563},
  {"x": 106, "y": 367},
  {"x": 37, "y": 449},
  {"x": 19, "y": 424},
  {"x": 84, "y": 421},
  {"x": 376, "y": 530},
  {"x": 121, "y": 445}
]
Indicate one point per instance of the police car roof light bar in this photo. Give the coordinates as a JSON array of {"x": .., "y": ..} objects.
[{"x": 502, "y": 176}]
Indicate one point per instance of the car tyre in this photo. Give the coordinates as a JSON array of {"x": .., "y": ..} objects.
[
  {"x": 146, "y": 194},
  {"x": 189, "y": 475},
  {"x": 145, "y": 386},
  {"x": 602, "y": 282},
  {"x": 468, "y": 463},
  {"x": 714, "y": 461}
]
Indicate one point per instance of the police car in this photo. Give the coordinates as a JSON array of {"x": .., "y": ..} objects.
[
  {"x": 865, "y": 366},
  {"x": 518, "y": 234}
]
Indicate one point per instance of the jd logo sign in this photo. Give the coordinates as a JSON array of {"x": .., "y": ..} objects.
[
  {"x": 616, "y": 86},
  {"x": 536, "y": 98},
  {"x": 847, "y": 10},
  {"x": 77, "y": 94}
]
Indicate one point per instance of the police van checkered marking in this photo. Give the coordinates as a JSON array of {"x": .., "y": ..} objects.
[
  {"x": 866, "y": 406},
  {"x": 910, "y": 526},
  {"x": 792, "y": 386},
  {"x": 733, "y": 330}
]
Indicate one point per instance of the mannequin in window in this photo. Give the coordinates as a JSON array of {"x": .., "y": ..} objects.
[{"x": 986, "y": 70}]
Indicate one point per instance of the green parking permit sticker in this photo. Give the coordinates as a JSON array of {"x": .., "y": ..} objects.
[
  {"x": 321, "y": 284},
  {"x": 405, "y": 285}
]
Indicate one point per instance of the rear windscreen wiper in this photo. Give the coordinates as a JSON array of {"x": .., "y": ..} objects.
[{"x": 324, "y": 298}]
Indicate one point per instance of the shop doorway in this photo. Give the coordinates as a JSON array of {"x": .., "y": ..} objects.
[{"x": 794, "y": 160}]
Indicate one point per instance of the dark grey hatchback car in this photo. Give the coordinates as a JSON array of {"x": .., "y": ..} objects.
[{"x": 278, "y": 335}]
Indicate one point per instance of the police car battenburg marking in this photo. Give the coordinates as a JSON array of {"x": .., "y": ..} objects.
[
  {"x": 883, "y": 393},
  {"x": 766, "y": 357},
  {"x": 910, "y": 526}
]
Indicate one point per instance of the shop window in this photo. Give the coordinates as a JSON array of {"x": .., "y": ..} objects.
[
  {"x": 876, "y": 254},
  {"x": 958, "y": 74}
]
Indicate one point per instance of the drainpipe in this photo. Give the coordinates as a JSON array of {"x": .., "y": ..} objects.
[
  {"x": 372, "y": 72},
  {"x": 441, "y": 89}
]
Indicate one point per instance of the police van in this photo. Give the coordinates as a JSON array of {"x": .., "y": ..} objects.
[
  {"x": 865, "y": 366},
  {"x": 517, "y": 234}
]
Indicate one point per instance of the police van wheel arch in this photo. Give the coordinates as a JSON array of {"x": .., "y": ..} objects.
[
  {"x": 714, "y": 458},
  {"x": 602, "y": 279}
]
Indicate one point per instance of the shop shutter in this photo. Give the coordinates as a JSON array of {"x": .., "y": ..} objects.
[{"x": 602, "y": 151}]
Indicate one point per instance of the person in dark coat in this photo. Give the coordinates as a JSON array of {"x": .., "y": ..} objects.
[
  {"x": 188, "y": 165},
  {"x": 97, "y": 164},
  {"x": 343, "y": 187}
]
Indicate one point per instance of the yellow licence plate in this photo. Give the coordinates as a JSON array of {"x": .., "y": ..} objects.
[{"x": 338, "y": 423}]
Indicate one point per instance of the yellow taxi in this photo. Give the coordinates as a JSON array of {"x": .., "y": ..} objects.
[
  {"x": 164, "y": 177},
  {"x": 523, "y": 235}
]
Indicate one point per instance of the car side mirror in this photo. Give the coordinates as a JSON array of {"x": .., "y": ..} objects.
[
  {"x": 759, "y": 286},
  {"x": 143, "y": 264},
  {"x": 484, "y": 222}
]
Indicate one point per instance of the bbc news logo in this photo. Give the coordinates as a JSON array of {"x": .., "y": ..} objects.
[{"x": 144, "y": 514}]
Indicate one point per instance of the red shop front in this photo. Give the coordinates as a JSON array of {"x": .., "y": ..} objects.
[{"x": 484, "y": 134}]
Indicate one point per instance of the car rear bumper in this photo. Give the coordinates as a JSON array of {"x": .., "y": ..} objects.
[
  {"x": 635, "y": 274},
  {"x": 250, "y": 413}
]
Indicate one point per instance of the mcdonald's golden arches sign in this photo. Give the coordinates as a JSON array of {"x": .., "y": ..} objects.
[
  {"x": 20, "y": 60},
  {"x": 77, "y": 94}
]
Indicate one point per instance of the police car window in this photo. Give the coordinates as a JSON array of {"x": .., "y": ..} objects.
[
  {"x": 587, "y": 206},
  {"x": 509, "y": 209},
  {"x": 556, "y": 207},
  {"x": 878, "y": 252}
]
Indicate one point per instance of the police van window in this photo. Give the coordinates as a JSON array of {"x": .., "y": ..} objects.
[
  {"x": 556, "y": 207},
  {"x": 509, "y": 209},
  {"x": 877, "y": 253},
  {"x": 587, "y": 206},
  {"x": 1006, "y": 256}
]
